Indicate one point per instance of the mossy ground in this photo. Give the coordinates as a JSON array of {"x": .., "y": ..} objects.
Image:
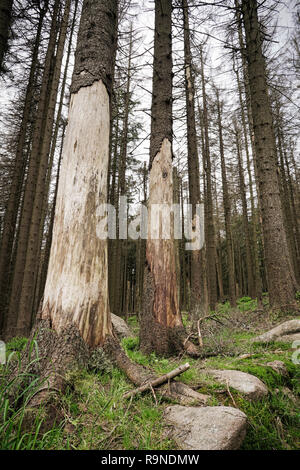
[{"x": 97, "y": 416}]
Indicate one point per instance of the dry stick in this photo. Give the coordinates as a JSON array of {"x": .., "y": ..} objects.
[
  {"x": 230, "y": 394},
  {"x": 159, "y": 381},
  {"x": 200, "y": 335}
]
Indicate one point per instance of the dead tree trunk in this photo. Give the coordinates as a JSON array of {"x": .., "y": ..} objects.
[
  {"x": 79, "y": 294},
  {"x": 162, "y": 330},
  {"x": 32, "y": 253}
]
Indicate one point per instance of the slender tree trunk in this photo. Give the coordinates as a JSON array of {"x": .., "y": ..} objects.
[
  {"x": 227, "y": 211},
  {"x": 250, "y": 281},
  {"x": 218, "y": 247},
  {"x": 210, "y": 231},
  {"x": 119, "y": 286},
  {"x": 281, "y": 280},
  {"x": 255, "y": 221},
  {"x": 197, "y": 278}
]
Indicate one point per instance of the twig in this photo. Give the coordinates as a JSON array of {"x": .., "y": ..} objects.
[
  {"x": 159, "y": 381},
  {"x": 230, "y": 394},
  {"x": 153, "y": 393}
]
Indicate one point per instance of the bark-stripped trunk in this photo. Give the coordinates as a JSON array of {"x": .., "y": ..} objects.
[
  {"x": 40, "y": 282},
  {"x": 77, "y": 283},
  {"x": 44, "y": 267},
  {"x": 281, "y": 280},
  {"x": 5, "y": 21},
  {"x": 161, "y": 324},
  {"x": 32, "y": 253}
]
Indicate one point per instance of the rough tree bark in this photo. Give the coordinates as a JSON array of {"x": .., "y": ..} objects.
[{"x": 281, "y": 279}]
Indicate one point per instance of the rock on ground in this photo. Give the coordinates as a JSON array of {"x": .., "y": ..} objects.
[
  {"x": 279, "y": 367},
  {"x": 120, "y": 327},
  {"x": 245, "y": 383},
  {"x": 207, "y": 428},
  {"x": 287, "y": 332}
]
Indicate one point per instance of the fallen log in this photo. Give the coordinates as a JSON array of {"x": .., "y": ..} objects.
[{"x": 150, "y": 384}]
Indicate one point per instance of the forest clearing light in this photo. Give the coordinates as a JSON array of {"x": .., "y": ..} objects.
[{"x": 157, "y": 222}]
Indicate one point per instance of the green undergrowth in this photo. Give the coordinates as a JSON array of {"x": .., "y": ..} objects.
[
  {"x": 14, "y": 433},
  {"x": 95, "y": 414}
]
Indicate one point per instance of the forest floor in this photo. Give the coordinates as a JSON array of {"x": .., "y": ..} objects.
[{"x": 97, "y": 416}]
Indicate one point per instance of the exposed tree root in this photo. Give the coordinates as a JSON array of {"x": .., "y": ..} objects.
[
  {"x": 50, "y": 356},
  {"x": 139, "y": 375}
]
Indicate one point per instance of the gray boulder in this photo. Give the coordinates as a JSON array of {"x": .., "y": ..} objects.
[
  {"x": 120, "y": 327},
  {"x": 207, "y": 428},
  {"x": 247, "y": 384}
]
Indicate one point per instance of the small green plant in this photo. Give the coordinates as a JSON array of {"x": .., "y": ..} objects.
[
  {"x": 130, "y": 344},
  {"x": 17, "y": 344},
  {"x": 246, "y": 304}
]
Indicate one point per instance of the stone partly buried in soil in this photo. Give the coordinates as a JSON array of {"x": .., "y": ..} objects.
[
  {"x": 120, "y": 327},
  {"x": 206, "y": 428},
  {"x": 245, "y": 383},
  {"x": 279, "y": 367}
]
